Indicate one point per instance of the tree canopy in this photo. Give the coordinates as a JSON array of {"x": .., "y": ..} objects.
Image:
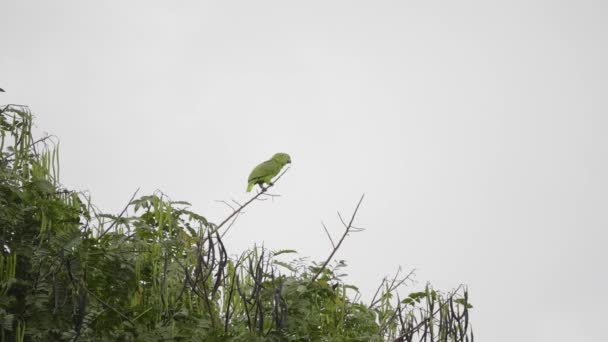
[{"x": 158, "y": 271}]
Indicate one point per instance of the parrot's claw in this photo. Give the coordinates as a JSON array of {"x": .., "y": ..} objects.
[{"x": 265, "y": 188}]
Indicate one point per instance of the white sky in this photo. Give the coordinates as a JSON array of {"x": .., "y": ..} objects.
[{"x": 477, "y": 130}]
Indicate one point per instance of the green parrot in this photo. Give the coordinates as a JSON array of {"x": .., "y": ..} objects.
[{"x": 265, "y": 172}]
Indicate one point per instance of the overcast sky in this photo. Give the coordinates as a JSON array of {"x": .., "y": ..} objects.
[{"x": 476, "y": 129}]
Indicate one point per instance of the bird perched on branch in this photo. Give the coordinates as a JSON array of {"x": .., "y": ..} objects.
[{"x": 265, "y": 172}]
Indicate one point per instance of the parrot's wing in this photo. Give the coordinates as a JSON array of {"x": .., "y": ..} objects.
[{"x": 264, "y": 170}]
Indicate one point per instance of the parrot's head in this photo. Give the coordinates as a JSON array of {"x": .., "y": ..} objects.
[{"x": 282, "y": 158}]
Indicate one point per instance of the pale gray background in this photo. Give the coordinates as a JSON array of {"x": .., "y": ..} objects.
[{"x": 477, "y": 129}]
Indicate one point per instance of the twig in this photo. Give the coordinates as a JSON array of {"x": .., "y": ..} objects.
[
  {"x": 391, "y": 287},
  {"x": 33, "y": 144},
  {"x": 230, "y": 225},
  {"x": 378, "y": 290},
  {"x": 346, "y": 231},
  {"x": 109, "y": 306},
  {"x": 328, "y": 235},
  {"x": 74, "y": 280},
  {"x": 226, "y": 203},
  {"x": 237, "y": 211},
  {"x": 120, "y": 215},
  {"x": 424, "y": 321}
]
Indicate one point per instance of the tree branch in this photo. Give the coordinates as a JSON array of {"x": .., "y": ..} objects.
[
  {"x": 425, "y": 320},
  {"x": 337, "y": 246},
  {"x": 119, "y": 215},
  {"x": 243, "y": 206}
]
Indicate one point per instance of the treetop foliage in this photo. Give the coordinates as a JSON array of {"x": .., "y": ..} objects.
[{"x": 159, "y": 272}]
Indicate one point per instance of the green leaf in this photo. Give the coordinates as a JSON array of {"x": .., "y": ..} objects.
[
  {"x": 461, "y": 301},
  {"x": 408, "y": 301},
  {"x": 285, "y": 251},
  {"x": 287, "y": 266},
  {"x": 352, "y": 287},
  {"x": 181, "y": 203},
  {"x": 417, "y": 295}
]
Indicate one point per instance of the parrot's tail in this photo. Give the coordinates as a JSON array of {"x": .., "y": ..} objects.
[{"x": 250, "y": 186}]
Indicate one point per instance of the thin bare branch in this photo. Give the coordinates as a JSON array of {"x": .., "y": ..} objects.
[
  {"x": 328, "y": 235},
  {"x": 346, "y": 231},
  {"x": 226, "y": 203},
  {"x": 239, "y": 209},
  {"x": 394, "y": 284},
  {"x": 342, "y": 220},
  {"x": 426, "y": 320},
  {"x": 120, "y": 215},
  {"x": 231, "y": 224}
]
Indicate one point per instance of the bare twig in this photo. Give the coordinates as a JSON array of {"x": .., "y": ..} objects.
[
  {"x": 110, "y": 307},
  {"x": 346, "y": 231},
  {"x": 120, "y": 215},
  {"x": 239, "y": 209},
  {"x": 231, "y": 224},
  {"x": 394, "y": 284},
  {"x": 426, "y": 320},
  {"x": 328, "y": 235},
  {"x": 226, "y": 203}
]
